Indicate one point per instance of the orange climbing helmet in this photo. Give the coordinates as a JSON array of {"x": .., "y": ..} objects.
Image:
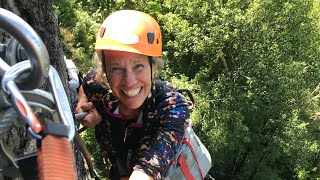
[{"x": 130, "y": 31}]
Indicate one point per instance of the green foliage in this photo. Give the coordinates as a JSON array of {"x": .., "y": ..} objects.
[
  {"x": 95, "y": 151},
  {"x": 256, "y": 75},
  {"x": 264, "y": 106},
  {"x": 78, "y": 29}
]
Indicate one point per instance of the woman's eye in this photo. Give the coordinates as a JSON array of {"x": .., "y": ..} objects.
[
  {"x": 115, "y": 69},
  {"x": 139, "y": 67}
]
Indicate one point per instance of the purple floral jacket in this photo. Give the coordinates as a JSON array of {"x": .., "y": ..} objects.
[{"x": 148, "y": 143}]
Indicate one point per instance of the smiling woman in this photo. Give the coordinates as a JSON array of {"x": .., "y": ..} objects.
[
  {"x": 139, "y": 121},
  {"x": 129, "y": 77}
]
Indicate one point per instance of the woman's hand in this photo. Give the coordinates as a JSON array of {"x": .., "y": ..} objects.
[
  {"x": 93, "y": 118},
  {"x": 136, "y": 174},
  {"x": 82, "y": 99}
]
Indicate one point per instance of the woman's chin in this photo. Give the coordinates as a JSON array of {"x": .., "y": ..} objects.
[{"x": 132, "y": 103}]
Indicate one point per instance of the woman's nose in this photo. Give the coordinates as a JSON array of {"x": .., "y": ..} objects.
[{"x": 129, "y": 78}]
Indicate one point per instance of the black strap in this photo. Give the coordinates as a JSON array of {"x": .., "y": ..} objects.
[
  {"x": 80, "y": 77},
  {"x": 118, "y": 143},
  {"x": 125, "y": 150}
]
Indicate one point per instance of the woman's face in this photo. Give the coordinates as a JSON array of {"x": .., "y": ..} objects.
[{"x": 129, "y": 77}]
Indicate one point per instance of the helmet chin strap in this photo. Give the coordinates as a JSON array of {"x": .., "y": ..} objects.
[
  {"x": 150, "y": 63},
  {"x": 104, "y": 64}
]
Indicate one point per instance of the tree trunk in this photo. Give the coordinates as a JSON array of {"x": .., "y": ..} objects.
[{"x": 40, "y": 15}]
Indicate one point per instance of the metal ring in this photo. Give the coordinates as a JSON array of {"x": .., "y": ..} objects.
[
  {"x": 34, "y": 46},
  {"x": 14, "y": 72}
]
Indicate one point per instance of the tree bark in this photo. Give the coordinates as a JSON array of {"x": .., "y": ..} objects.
[{"x": 40, "y": 15}]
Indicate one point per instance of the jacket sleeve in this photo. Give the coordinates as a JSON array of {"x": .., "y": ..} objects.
[
  {"x": 95, "y": 92},
  {"x": 156, "y": 155}
]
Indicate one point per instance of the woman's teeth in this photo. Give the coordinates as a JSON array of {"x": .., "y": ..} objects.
[{"x": 132, "y": 92}]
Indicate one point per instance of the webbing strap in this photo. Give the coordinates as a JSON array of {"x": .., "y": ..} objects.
[
  {"x": 184, "y": 168},
  {"x": 55, "y": 160},
  {"x": 187, "y": 141}
]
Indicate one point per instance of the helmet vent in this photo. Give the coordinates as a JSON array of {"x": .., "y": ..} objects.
[{"x": 150, "y": 36}]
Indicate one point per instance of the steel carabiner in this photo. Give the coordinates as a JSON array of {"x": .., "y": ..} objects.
[{"x": 17, "y": 100}]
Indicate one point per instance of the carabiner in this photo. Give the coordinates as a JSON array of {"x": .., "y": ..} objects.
[
  {"x": 61, "y": 101},
  {"x": 23, "y": 109},
  {"x": 34, "y": 46},
  {"x": 17, "y": 100}
]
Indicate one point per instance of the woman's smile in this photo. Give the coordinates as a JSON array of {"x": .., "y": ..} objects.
[
  {"x": 133, "y": 92},
  {"x": 129, "y": 76}
]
